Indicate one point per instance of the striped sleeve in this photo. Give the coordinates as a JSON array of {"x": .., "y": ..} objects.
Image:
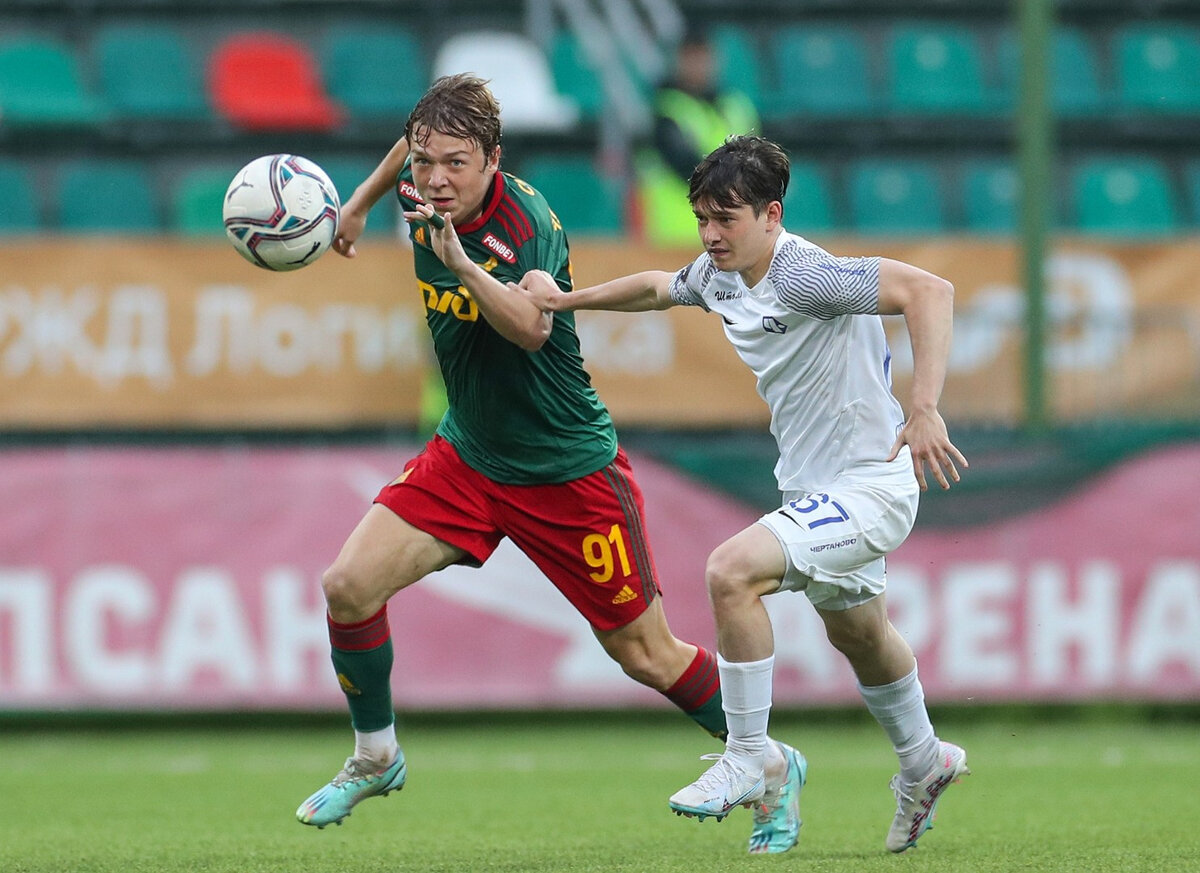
[
  {"x": 811, "y": 281},
  {"x": 687, "y": 286}
]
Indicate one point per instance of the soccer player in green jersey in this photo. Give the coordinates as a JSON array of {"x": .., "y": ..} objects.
[{"x": 526, "y": 450}]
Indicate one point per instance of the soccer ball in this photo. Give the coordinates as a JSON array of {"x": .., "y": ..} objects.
[{"x": 281, "y": 212}]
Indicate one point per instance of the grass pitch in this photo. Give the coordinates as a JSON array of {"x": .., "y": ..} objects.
[{"x": 550, "y": 794}]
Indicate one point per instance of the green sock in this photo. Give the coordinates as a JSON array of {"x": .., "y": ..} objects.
[{"x": 362, "y": 659}]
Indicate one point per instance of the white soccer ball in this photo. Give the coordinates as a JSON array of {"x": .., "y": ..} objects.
[{"x": 281, "y": 212}]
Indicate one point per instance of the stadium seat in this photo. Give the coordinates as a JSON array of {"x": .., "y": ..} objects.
[
  {"x": 197, "y": 201},
  {"x": 20, "y": 212},
  {"x": 819, "y": 70},
  {"x": 895, "y": 196},
  {"x": 375, "y": 72},
  {"x": 1157, "y": 68},
  {"x": 936, "y": 69},
  {"x": 40, "y": 86},
  {"x": 150, "y": 71},
  {"x": 1191, "y": 173},
  {"x": 574, "y": 75},
  {"x": 585, "y": 201},
  {"x": 346, "y": 173},
  {"x": 1078, "y": 82},
  {"x": 519, "y": 74},
  {"x": 267, "y": 81},
  {"x": 807, "y": 205},
  {"x": 106, "y": 196},
  {"x": 1123, "y": 195},
  {"x": 737, "y": 61},
  {"x": 991, "y": 196}
]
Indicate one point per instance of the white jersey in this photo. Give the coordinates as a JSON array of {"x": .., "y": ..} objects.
[{"x": 809, "y": 332}]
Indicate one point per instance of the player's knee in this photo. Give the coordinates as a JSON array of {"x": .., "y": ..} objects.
[
  {"x": 726, "y": 577},
  {"x": 345, "y": 596}
]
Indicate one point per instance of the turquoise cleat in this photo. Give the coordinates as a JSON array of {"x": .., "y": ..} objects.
[
  {"x": 357, "y": 781},
  {"x": 777, "y": 818}
]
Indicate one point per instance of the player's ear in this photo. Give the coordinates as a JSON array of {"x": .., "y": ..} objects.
[
  {"x": 493, "y": 161},
  {"x": 774, "y": 214}
]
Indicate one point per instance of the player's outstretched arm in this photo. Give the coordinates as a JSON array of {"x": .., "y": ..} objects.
[
  {"x": 927, "y": 303},
  {"x": 639, "y": 292},
  {"x": 353, "y": 218}
]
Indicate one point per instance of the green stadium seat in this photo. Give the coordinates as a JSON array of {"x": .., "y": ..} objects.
[
  {"x": 1157, "y": 68},
  {"x": 819, "y": 70},
  {"x": 936, "y": 69},
  {"x": 375, "y": 72},
  {"x": 198, "y": 199},
  {"x": 41, "y": 86},
  {"x": 574, "y": 74},
  {"x": 1123, "y": 195},
  {"x": 991, "y": 196},
  {"x": 895, "y": 197},
  {"x": 1078, "y": 87},
  {"x": 737, "y": 61},
  {"x": 150, "y": 71},
  {"x": 106, "y": 196},
  {"x": 585, "y": 201},
  {"x": 20, "y": 212},
  {"x": 807, "y": 205}
]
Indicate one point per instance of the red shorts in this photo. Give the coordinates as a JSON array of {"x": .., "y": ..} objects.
[{"x": 586, "y": 535}]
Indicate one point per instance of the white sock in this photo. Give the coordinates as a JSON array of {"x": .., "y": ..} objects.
[
  {"x": 899, "y": 707},
  {"x": 377, "y": 746},
  {"x": 746, "y": 698}
]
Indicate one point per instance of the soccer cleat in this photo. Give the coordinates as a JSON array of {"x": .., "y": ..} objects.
[
  {"x": 916, "y": 803},
  {"x": 718, "y": 790},
  {"x": 357, "y": 781},
  {"x": 777, "y": 817}
]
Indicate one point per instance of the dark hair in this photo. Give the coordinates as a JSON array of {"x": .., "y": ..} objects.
[
  {"x": 745, "y": 170},
  {"x": 461, "y": 106}
]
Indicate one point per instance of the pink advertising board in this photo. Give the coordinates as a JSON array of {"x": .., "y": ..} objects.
[{"x": 186, "y": 578}]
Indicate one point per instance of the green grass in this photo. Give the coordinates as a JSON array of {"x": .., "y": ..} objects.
[{"x": 559, "y": 795}]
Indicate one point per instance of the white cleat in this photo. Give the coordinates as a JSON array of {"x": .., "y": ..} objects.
[
  {"x": 718, "y": 790},
  {"x": 917, "y": 802}
]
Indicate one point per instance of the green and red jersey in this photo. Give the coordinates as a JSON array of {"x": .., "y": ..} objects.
[{"x": 518, "y": 417}]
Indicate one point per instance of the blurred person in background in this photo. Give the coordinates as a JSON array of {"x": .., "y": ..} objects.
[
  {"x": 692, "y": 116},
  {"x": 850, "y": 467},
  {"x": 526, "y": 450}
]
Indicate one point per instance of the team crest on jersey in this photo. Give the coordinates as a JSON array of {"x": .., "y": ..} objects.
[
  {"x": 502, "y": 249},
  {"x": 771, "y": 324},
  {"x": 409, "y": 190}
]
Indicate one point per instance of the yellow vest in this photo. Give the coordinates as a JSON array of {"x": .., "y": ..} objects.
[{"x": 665, "y": 209}]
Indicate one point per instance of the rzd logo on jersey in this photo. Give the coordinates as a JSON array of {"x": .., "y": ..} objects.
[
  {"x": 501, "y": 249},
  {"x": 456, "y": 302}
]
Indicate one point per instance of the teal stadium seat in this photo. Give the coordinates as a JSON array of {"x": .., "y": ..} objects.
[
  {"x": 574, "y": 74},
  {"x": 346, "y": 173},
  {"x": 1191, "y": 174},
  {"x": 106, "y": 196},
  {"x": 1123, "y": 195},
  {"x": 41, "y": 86},
  {"x": 900, "y": 196},
  {"x": 737, "y": 62},
  {"x": 1079, "y": 86},
  {"x": 20, "y": 211},
  {"x": 819, "y": 70},
  {"x": 198, "y": 199},
  {"x": 585, "y": 201},
  {"x": 375, "y": 72},
  {"x": 1158, "y": 68},
  {"x": 807, "y": 206},
  {"x": 150, "y": 72},
  {"x": 991, "y": 196},
  {"x": 937, "y": 69}
]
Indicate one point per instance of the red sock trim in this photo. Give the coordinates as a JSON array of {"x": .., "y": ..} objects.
[
  {"x": 360, "y": 636},
  {"x": 699, "y": 682}
]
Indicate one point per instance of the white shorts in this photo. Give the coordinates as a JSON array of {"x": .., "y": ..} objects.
[{"x": 835, "y": 540}]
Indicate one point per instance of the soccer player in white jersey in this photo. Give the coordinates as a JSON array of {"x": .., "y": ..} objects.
[{"x": 850, "y": 466}]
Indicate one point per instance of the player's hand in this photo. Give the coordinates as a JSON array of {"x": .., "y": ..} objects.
[
  {"x": 351, "y": 223},
  {"x": 443, "y": 240},
  {"x": 926, "y": 437},
  {"x": 540, "y": 289}
]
